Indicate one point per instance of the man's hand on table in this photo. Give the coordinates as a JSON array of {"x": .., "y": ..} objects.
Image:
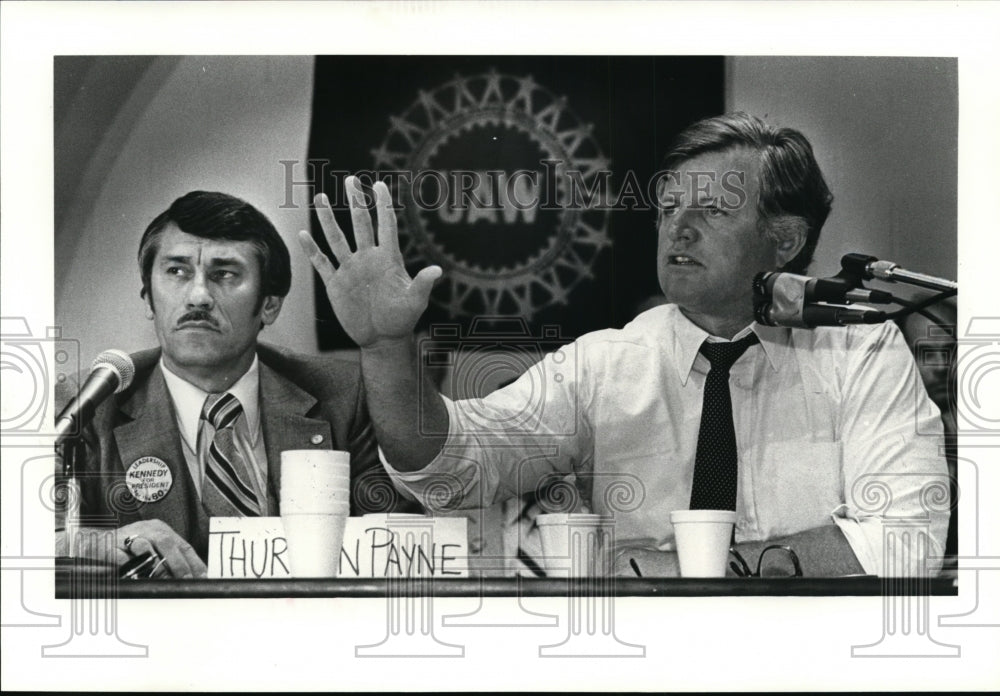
[{"x": 179, "y": 559}]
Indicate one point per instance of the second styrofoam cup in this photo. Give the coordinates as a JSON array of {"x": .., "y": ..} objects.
[{"x": 703, "y": 538}]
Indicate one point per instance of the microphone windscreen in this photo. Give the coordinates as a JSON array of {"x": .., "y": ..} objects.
[
  {"x": 788, "y": 297},
  {"x": 120, "y": 363}
]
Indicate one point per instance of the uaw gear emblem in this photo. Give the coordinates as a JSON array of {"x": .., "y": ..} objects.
[
  {"x": 502, "y": 188},
  {"x": 149, "y": 479}
]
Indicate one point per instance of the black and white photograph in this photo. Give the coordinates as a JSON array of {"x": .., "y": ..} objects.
[{"x": 390, "y": 346}]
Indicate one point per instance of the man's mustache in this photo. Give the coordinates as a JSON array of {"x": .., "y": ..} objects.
[{"x": 198, "y": 315}]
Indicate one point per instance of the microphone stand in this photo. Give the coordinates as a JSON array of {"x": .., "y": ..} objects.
[
  {"x": 856, "y": 268},
  {"x": 69, "y": 453}
]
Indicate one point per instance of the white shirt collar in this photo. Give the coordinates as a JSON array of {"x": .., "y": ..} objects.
[
  {"x": 189, "y": 399},
  {"x": 688, "y": 339}
]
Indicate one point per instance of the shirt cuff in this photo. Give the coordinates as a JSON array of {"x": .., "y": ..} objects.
[
  {"x": 866, "y": 536},
  {"x": 434, "y": 467}
]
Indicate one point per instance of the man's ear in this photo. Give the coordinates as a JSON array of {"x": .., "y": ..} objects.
[
  {"x": 790, "y": 233},
  {"x": 270, "y": 309},
  {"x": 147, "y": 299}
]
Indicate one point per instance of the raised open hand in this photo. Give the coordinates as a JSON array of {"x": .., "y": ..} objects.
[{"x": 371, "y": 293}]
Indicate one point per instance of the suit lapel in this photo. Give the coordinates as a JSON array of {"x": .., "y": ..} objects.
[
  {"x": 153, "y": 432},
  {"x": 285, "y": 425}
]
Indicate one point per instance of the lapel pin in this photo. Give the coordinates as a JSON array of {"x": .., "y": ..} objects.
[
  {"x": 149, "y": 479},
  {"x": 316, "y": 439}
]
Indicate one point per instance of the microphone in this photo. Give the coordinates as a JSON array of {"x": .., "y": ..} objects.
[
  {"x": 868, "y": 267},
  {"x": 811, "y": 316},
  {"x": 110, "y": 373},
  {"x": 835, "y": 290},
  {"x": 783, "y": 299}
]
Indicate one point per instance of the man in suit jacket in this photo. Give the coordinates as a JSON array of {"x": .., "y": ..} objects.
[{"x": 200, "y": 431}]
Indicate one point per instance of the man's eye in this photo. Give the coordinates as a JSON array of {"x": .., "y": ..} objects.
[
  {"x": 713, "y": 210},
  {"x": 670, "y": 209},
  {"x": 178, "y": 271},
  {"x": 224, "y": 275}
]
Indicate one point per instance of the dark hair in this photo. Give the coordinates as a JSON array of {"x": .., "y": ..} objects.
[
  {"x": 791, "y": 183},
  {"x": 220, "y": 216}
]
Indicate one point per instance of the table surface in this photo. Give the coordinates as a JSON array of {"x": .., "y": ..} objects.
[{"x": 75, "y": 584}]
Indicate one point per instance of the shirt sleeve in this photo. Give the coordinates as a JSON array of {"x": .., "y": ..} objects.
[
  {"x": 510, "y": 442},
  {"x": 896, "y": 509}
]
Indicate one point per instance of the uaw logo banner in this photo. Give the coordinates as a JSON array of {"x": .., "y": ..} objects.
[
  {"x": 504, "y": 193},
  {"x": 528, "y": 179}
]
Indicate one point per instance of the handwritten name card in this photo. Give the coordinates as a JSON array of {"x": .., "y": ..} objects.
[{"x": 375, "y": 546}]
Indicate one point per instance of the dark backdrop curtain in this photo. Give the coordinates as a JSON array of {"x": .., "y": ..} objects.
[{"x": 515, "y": 245}]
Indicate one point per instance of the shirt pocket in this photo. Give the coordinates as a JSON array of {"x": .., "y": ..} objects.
[{"x": 799, "y": 484}]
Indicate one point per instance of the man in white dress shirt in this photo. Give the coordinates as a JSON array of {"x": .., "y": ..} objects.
[{"x": 833, "y": 429}]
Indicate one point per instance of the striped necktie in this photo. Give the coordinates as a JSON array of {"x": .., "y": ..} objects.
[
  {"x": 227, "y": 490},
  {"x": 715, "y": 461}
]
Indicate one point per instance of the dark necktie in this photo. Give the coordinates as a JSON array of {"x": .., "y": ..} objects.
[
  {"x": 227, "y": 491},
  {"x": 714, "y": 486}
]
